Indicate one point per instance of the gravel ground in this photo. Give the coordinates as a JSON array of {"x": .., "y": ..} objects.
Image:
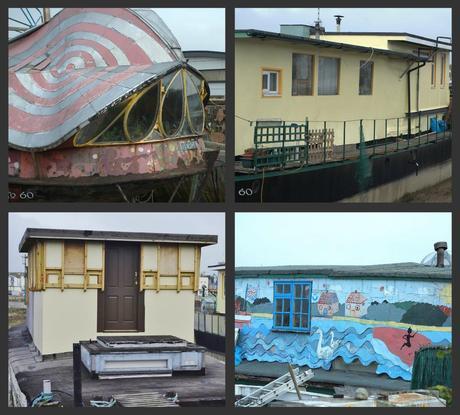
[{"x": 440, "y": 193}]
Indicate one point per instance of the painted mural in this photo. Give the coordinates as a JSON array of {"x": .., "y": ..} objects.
[{"x": 381, "y": 322}]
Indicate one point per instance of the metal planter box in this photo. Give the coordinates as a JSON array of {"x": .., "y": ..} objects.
[{"x": 141, "y": 356}]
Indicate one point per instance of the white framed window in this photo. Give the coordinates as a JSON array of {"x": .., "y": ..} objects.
[
  {"x": 433, "y": 71},
  {"x": 443, "y": 69},
  {"x": 271, "y": 82}
]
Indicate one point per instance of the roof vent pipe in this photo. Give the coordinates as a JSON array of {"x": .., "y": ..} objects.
[
  {"x": 440, "y": 248},
  {"x": 318, "y": 26},
  {"x": 338, "y": 20}
]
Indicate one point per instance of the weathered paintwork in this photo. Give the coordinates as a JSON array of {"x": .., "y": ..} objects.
[
  {"x": 113, "y": 160},
  {"x": 80, "y": 62},
  {"x": 389, "y": 311}
]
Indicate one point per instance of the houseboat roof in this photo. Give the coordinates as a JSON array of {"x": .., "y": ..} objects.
[
  {"x": 404, "y": 270},
  {"x": 32, "y": 234},
  {"x": 262, "y": 34},
  {"x": 81, "y": 62},
  {"x": 409, "y": 37}
]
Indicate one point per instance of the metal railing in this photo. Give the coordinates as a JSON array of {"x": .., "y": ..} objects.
[
  {"x": 287, "y": 144},
  {"x": 210, "y": 323}
]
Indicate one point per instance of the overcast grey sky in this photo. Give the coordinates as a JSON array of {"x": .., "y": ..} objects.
[
  {"x": 195, "y": 29},
  {"x": 198, "y": 223},
  {"x": 431, "y": 22},
  {"x": 265, "y": 239}
]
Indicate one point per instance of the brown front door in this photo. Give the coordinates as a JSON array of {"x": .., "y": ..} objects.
[{"x": 121, "y": 305}]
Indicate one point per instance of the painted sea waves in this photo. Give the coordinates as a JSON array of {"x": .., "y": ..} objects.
[{"x": 333, "y": 338}]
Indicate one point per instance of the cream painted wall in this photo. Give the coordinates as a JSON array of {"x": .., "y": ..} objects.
[
  {"x": 149, "y": 257},
  {"x": 63, "y": 318},
  {"x": 170, "y": 312},
  {"x": 379, "y": 42},
  {"x": 220, "y": 300},
  {"x": 35, "y": 317},
  {"x": 389, "y": 98},
  {"x": 53, "y": 254},
  {"x": 68, "y": 317},
  {"x": 187, "y": 258},
  {"x": 94, "y": 255}
]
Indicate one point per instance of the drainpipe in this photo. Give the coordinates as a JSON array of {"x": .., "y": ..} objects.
[{"x": 409, "y": 127}]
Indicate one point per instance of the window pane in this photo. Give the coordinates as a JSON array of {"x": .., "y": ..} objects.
[
  {"x": 298, "y": 290},
  {"x": 114, "y": 133},
  {"x": 302, "y": 74},
  {"x": 296, "y": 320},
  {"x": 278, "y": 319},
  {"x": 285, "y": 320},
  {"x": 304, "y": 321},
  {"x": 306, "y": 291},
  {"x": 195, "y": 105},
  {"x": 279, "y": 288},
  {"x": 141, "y": 118},
  {"x": 265, "y": 81},
  {"x": 297, "y": 306},
  {"x": 287, "y": 305},
  {"x": 328, "y": 76},
  {"x": 365, "y": 78},
  {"x": 287, "y": 288},
  {"x": 173, "y": 106},
  {"x": 100, "y": 123},
  {"x": 278, "y": 305},
  {"x": 273, "y": 82}
]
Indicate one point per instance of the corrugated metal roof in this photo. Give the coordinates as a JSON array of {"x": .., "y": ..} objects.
[
  {"x": 42, "y": 233},
  {"x": 79, "y": 63},
  {"x": 404, "y": 270},
  {"x": 252, "y": 33}
]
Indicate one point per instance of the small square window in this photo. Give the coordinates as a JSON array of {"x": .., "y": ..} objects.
[{"x": 271, "y": 80}]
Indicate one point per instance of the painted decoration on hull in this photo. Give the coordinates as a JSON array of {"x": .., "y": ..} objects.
[{"x": 386, "y": 323}]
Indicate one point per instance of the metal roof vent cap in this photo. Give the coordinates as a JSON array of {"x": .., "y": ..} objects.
[{"x": 440, "y": 258}]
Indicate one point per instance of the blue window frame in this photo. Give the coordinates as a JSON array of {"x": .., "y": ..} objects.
[{"x": 292, "y": 305}]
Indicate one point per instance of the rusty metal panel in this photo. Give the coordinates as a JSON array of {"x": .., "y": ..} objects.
[
  {"x": 105, "y": 161},
  {"x": 78, "y": 64}
]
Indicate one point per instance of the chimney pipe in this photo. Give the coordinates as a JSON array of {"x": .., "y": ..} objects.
[
  {"x": 338, "y": 20},
  {"x": 440, "y": 247}
]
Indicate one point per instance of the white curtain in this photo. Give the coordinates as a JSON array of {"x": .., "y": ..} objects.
[{"x": 328, "y": 76}]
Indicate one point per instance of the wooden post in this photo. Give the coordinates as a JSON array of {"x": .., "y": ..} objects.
[
  {"x": 46, "y": 14},
  {"x": 77, "y": 396},
  {"x": 294, "y": 381}
]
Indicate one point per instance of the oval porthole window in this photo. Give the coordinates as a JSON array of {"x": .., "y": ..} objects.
[
  {"x": 172, "y": 109},
  {"x": 99, "y": 125},
  {"x": 194, "y": 103},
  {"x": 113, "y": 134},
  {"x": 141, "y": 115}
]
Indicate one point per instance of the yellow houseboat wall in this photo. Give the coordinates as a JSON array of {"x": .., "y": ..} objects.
[
  {"x": 388, "y": 99},
  {"x": 220, "y": 300}
]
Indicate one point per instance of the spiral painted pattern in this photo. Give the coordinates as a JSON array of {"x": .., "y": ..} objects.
[{"x": 80, "y": 62}]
